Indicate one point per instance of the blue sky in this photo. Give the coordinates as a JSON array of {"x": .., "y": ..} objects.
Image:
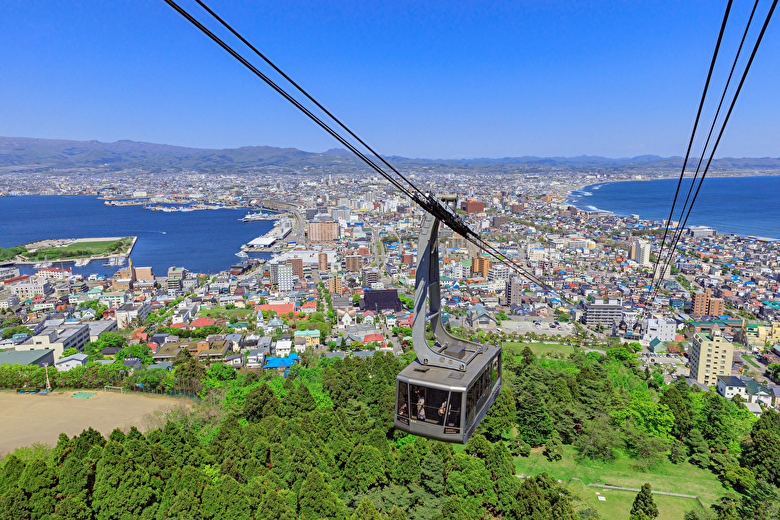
[{"x": 418, "y": 79}]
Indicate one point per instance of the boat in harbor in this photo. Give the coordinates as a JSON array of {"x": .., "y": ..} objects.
[
  {"x": 242, "y": 254},
  {"x": 251, "y": 217},
  {"x": 81, "y": 262}
]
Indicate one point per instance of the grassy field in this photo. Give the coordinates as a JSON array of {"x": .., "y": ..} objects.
[
  {"x": 85, "y": 249},
  {"x": 750, "y": 360},
  {"x": 221, "y": 312},
  {"x": 618, "y": 503},
  {"x": 539, "y": 349},
  {"x": 675, "y": 478}
]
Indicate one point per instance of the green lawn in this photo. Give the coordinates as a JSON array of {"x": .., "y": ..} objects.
[
  {"x": 539, "y": 349},
  {"x": 221, "y": 312},
  {"x": 84, "y": 249},
  {"x": 618, "y": 503},
  {"x": 749, "y": 359},
  {"x": 675, "y": 478}
]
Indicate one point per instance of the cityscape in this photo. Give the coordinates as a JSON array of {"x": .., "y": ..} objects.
[{"x": 270, "y": 333}]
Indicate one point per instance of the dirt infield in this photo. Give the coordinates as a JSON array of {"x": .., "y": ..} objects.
[{"x": 25, "y": 419}]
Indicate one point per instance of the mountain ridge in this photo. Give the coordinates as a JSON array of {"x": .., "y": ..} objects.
[{"x": 63, "y": 153}]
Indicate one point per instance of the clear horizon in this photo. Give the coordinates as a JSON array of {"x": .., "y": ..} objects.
[{"x": 511, "y": 79}]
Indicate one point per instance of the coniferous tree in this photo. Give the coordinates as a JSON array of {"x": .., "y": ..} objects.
[
  {"x": 682, "y": 419},
  {"x": 644, "y": 505},
  {"x": 365, "y": 469},
  {"x": 501, "y": 416},
  {"x": 432, "y": 474},
  {"x": 699, "y": 449},
  {"x": 366, "y": 511},
  {"x": 274, "y": 508},
  {"x": 553, "y": 449},
  {"x": 396, "y": 513},
  {"x": 407, "y": 467},
  {"x": 316, "y": 500},
  {"x": 499, "y": 462},
  {"x": 121, "y": 488},
  {"x": 533, "y": 422},
  {"x": 478, "y": 446}
]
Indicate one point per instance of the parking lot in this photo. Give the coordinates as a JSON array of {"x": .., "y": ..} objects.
[
  {"x": 523, "y": 325},
  {"x": 663, "y": 360}
]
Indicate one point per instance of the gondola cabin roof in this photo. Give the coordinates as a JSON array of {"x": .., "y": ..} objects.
[{"x": 447, "y": 377}]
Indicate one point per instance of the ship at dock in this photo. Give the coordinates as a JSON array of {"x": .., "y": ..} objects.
[{"x": 251, "y": 217}]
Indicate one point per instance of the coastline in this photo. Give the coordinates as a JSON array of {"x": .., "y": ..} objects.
[
  {"x": 719, "y": 175},
  {"x": 714, "y": 210},
  {"x": 73, "y": 259}
]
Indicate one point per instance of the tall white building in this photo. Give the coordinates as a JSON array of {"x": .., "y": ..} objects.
[
  {"x": 640, "y": 252},
  {"x": 498, "y": 272},
  {"x": 285, "y": 277}
]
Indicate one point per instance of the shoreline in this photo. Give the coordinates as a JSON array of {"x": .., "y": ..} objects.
[
  {"x": 568, "y": 194},
  {"x": 73, "y": 259}
]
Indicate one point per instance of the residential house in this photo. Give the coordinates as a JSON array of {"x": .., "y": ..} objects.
[
  {"x": 70, "y": 362},
  {"x": 478, "y": 317}
]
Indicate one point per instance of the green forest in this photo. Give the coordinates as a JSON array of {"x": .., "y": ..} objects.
[{"x": 320, "y": 444}]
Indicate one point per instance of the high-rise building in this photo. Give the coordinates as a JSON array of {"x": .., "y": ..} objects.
[
  {"x": 480, "y": 266},
  {"x": 514, "y": 291},
  {"x": 285, "y": 273},
  {"x": 335, "y": 284},
  {"x": 716, "y": 307},
  {"x": 710, "y": 356},
  {"x": 273, "y": 269},
  {"x": 354, "y": 263},
  {"x": 323, "y": 231},
  {"x": 297, "y": 266},
  {"x": 370, "y": 275},
  {"x": 705, "y": 305},
  {"x": 498, "y": 272},
  {"x": 640, "y": 252},
  {"x": 322, "y": 261},
  {"x": 700, "y": 303}
]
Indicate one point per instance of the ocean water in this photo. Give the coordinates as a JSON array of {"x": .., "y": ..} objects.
[
  {"x": 743, "y": 205},
  {"x": 201, "y": 241}
]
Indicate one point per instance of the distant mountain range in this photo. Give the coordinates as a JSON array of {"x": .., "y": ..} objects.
[{"x": 54, "y": 153}]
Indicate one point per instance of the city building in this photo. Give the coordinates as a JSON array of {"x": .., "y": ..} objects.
[
  {"x": 640, "y": 252},
  {"x": 705, "y": 305},
  {"x": 322, "y": 261},
  {"x": 729, "y": 386},
  {"x": 285, "y": 277},
  {"x": 370, "y": 275},
  {"x": 600, "y": 313},
  {"x": 129, "y": 311},
  {"x": 297, "y": 266},
  {"x": 335, "y": 284},
  {"x": 323, "y": 231},
  {"x": 710, "y": 356},
  {"x": 514, "y": 291},
  {"x": 498, "y": 272},
  {"x": 662, "y": 329},
  {"x": 354, "y": 263},
  {"x": 480, "y": 266},
  {"x": 59, "y": 339},
  {"x": 472, "y": 206},
  {"x": 34, "y": 286}
]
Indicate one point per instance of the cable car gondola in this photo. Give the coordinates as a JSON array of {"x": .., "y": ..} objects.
[{"x": 448, "y": 389}]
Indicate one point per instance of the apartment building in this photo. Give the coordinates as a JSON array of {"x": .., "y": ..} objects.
[
  {"x": 285, "y": 277},
  {"x": 354, "y": 263},
  {"x": 323, "y": 231},
  {"x": 600, "y": 313},
  {"x": 32, "y": 287},
  {"x": 710, "y": 356}
]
